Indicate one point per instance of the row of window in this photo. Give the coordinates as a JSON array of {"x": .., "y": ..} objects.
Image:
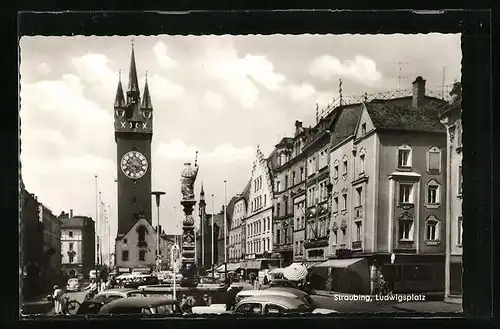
[
  {"x": 234, "y": 253},
  {"x": 259, "y": 227},
  {"x": 259, "y": 246},
  {"x": 126, "y": 254},
  {"x": 234, "y": 239},
  {"x": 284, "y": 235},
  {"x": 317, "y": 193},
  {"x": 299, "y": 248},
  {"x": 277, "y": 210},
  {"x": 257, "y": 183},
  {"x": 313, "y": 166},
  {"x": 317, "y": 229},
  {"x": 433, "y": 158},
  {"x": 259, "y": 202}
]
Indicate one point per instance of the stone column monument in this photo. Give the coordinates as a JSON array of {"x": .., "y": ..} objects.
[{"x": 188, "y": 267}]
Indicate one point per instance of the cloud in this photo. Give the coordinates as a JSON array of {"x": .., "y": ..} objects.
[
  {"x": 43, "y": 68},
  {"x": 237, "y": 74},
  {"x": 225, "y": 153},
  {"x": 213, "y": 101},
  {"x": 300, "y": 92},
  {"x": 160, "y": 52},
  {"x": 362, "y": 69},
  {"x": 161, "y": 88}
]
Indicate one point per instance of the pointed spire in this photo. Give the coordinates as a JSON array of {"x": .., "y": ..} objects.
[
  {"x": 146, "y": 98},
  {"x": 202, "y": 192},
  {"x": 133, "y": 84},
  {"x": 120, "y": 99}
]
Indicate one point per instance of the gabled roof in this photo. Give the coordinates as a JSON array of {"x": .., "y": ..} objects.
[
  {"x": 140, "y": 221},
  {"x": 285, "y": 142},
  {"x": 398, "y": 114},
  {"x": 345, "y": 123}
]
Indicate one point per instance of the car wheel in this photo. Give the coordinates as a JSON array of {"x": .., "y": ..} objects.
[{"x": 72, "y": 307}]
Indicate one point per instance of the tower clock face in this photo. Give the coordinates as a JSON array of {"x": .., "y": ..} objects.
[{"x": 134, "y": 164}]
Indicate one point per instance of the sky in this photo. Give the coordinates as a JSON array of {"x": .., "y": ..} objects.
[{"x": 222, "y": 96}]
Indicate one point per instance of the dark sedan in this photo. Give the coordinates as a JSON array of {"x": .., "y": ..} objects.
[{"x": 142, "y": 305}]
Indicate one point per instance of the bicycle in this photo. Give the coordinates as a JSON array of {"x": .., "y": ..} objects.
[{"x": 69, "y": 307}]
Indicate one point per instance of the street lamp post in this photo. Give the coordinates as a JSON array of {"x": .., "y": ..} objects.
[
  {"x": 213, "y": 235},
  {"x": 158, "y": 194}
]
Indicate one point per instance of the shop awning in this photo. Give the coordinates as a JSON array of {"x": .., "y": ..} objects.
[
  {"x": 253, "y": 264},
  {"x": 306, "y": 264},
  {"x": 340, "y": 263},
  {"x": 230, "y": 267}
]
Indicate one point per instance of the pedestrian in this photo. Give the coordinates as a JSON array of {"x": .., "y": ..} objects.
[
  {"x": 185, "y": 307},
  {"x": 231, "y": 298},
  {"x": 58, "y": 300},
  {"x": 382, "y": 285},
  {"x": 205, "y": 301}
]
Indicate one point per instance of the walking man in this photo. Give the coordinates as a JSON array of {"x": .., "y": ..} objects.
[{"x": 58, "y": 300}]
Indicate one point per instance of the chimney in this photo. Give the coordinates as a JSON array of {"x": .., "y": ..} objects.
[
  {"x": 418, "y": 91},
  {"x": 456, "y": 92},
  {"x": 71, "y": 213}
]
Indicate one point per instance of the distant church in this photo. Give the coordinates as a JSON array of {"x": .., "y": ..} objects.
[{"x": 135, "y": 245}]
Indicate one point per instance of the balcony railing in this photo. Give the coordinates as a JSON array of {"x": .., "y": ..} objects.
[{"x": 356, "y": 245}]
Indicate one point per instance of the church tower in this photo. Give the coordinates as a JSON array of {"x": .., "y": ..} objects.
[
  {"x": 203, "y": 230},
  {"x": 133, "y": 123}
]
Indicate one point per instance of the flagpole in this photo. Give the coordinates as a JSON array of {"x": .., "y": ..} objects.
[
  {"x": 213, "y": 234},
  {"x": 225, "y": 224},
  {"x": 96, "y": 225}
]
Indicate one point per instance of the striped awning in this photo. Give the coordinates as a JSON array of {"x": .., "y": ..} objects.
[{"x": 230, "y": 267}]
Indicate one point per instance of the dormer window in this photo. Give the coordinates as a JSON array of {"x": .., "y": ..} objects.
[
  {"x": 404, "y": 156},
  {"x": 120, "y": 113}
]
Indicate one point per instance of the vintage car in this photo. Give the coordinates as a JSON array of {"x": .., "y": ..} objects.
[
  {"x": 275, "y": 292},
  {"x": 93, "y": 306},
  {"x": 73, "y": 284},
  {"x": 141, "y": 305},
  {"x": 141, "y": 280},
  {"x": 266, "y": 304},
  {"x": 119, "y": 293},
  {"x": 297, "y": 292},
  {"x": 282, "y": 283}
]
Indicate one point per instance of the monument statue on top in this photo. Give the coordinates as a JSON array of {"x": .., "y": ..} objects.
[{"x": 188, "y": 267}]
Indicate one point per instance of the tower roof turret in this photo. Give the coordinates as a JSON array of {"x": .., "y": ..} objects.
[
  {"x": 146, "y": 98},
  {"x": 120, "y": 99},
  {"x": 133, "y": 84}
]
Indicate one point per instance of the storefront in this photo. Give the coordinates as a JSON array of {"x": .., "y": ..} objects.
[{"x": 349, "y": 275}]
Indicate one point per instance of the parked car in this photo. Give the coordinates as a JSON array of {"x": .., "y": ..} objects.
[
  {"x": 266, "y": 304},
  {"x": 119, "y": 293},
  {"x": 274, "y": 292},
  {"x": 142, "y": 305},
  {"x": 297, "y": 292},
  {"x": 141, "y": 280},
  {"x": 73, "y": 284},
  {"x": 93, "y": 306},
  {"x": 283, "y": 283}
]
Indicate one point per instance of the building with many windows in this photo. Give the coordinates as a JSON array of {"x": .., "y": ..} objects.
[
  {"x": 451, "y": 118},
  {"x": 236, "y": 238},
  {"x": 77, "y": 244},
  {"x": 317, "y": 190},
  {"x": 258, "y": 223},
  {"x": 388, "y": 209},
  {"x": 288, "y": 164}
]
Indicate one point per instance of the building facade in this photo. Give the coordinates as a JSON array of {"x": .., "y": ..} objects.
[
  {"x": 133, "y": 126},
  {"x": 258, "y": 223},
  {"x": 317, "y": 185},
  {"x": 137, "y": 248},
  {"x": 51, "y": 239},
  {"x": 31, "y": 244},
  {"x": 77, "y": 244},
  {"x": 236, "y": 238},
  {"x": 388, "y": 206},
  {"x": 451, "y": 118}
]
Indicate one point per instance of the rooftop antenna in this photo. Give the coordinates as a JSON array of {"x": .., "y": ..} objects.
[
  {"x": 340, "y": 91},
  {"x": 400, "y": 73}
]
